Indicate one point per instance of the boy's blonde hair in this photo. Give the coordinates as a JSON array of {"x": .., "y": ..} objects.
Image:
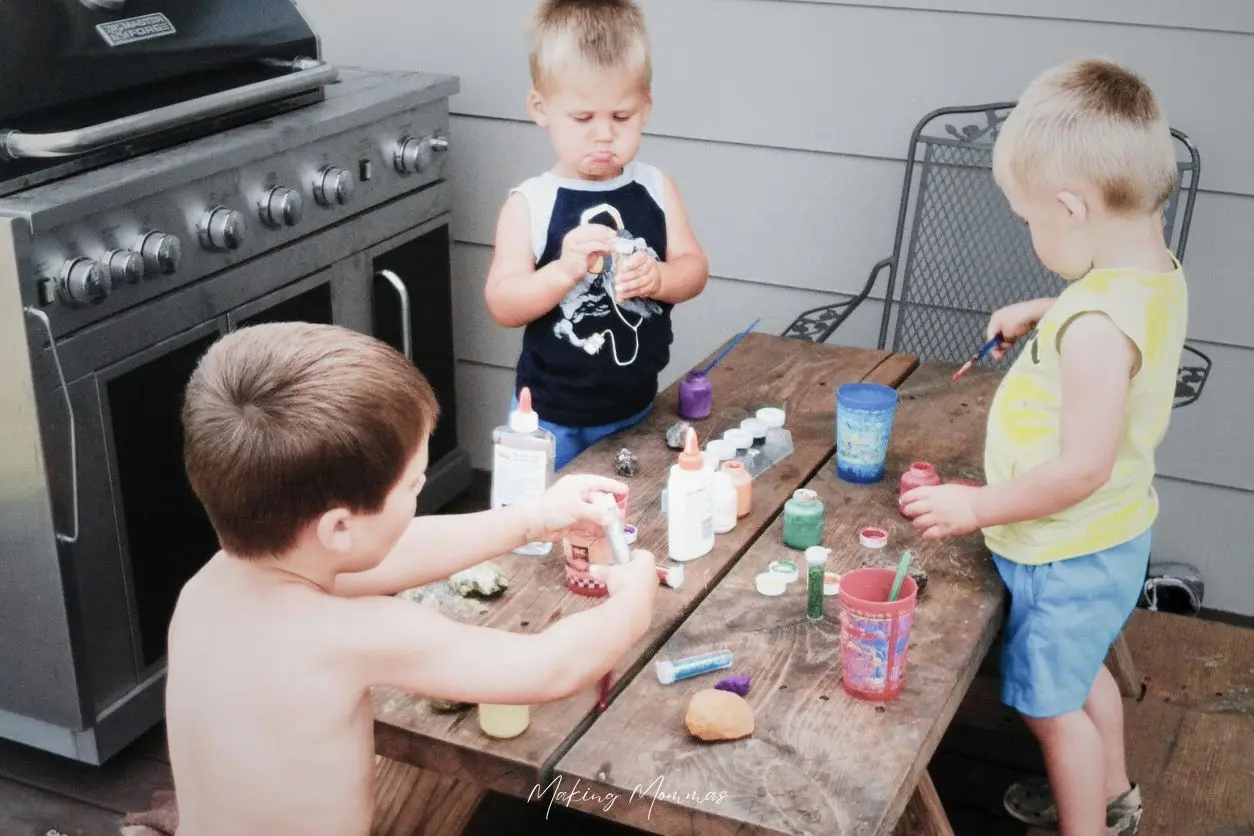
[
  {"x": 581, "y": 35},
  {"x": 1094, "y": 120},
  {"x": 287, "y": 420}
]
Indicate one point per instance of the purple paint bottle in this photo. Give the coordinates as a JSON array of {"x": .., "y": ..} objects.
[{"x": 696, "y": 397}]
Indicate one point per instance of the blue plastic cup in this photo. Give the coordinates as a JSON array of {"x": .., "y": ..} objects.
[{"x": 864, "y": 424}]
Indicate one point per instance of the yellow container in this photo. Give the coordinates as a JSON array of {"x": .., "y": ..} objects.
[{"x": 504, "y": 721}]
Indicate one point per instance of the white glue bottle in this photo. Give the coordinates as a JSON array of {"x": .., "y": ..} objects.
[
  {"x": 723, "y": 493},
  {"x": 523, "y": 459},
  {"x": 690, "y": 506}
]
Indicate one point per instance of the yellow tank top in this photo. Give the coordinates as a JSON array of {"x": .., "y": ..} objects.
[{"x": 1024, "y": 418}]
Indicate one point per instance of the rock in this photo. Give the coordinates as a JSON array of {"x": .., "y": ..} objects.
[
  {"x": 676, "y": 435},
  {"x": 626, "y": 464},
  {"x": 719, "y": 715},
  {"x": 485, "y": 580}
]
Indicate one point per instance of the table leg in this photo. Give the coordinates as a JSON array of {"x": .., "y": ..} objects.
[
  {"x": 924, "y": 815},
  {"x": 1123, "y": 669},
  {"x": 418, "y": 802}
]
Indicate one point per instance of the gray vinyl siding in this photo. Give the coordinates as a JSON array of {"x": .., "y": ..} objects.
[{"x": 784, "y": 123}]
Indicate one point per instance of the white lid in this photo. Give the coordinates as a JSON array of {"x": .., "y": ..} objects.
[
  {"x": 721, "y": 448},
  {"x": 665, "y": 672},
  {"x": 771, "y": 416},
  {"x": 741, "y": 439},
  {"x": 754, "y": 426},
  {"x": 817, "y": 554}
]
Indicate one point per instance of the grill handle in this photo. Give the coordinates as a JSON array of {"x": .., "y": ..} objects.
[
  {"x": 309, "y": 74},
  {"x": 402, "y": 293}
]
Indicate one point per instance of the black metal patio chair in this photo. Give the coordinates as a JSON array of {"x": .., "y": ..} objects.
[{"x": 959, "y": 253}]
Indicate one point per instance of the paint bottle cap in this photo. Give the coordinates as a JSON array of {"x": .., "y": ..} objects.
[
  {"x": 831, "y": 583},
  {"x": 524, "y": 419},
  {"x": 665, "y": 671},
  {"x": 770, "y": 583},
  {"x": 742, "y": 439},
  {"x": 691, "y": 458},
  {"x": 721, "y": 449},
  {"x": 873, "y": 537},
  {"x": 817, "y": 555},
  {"x": 756, "y": 427},
  {"x": 772, "y": 416},
  {"x": 805, "y": 495}
]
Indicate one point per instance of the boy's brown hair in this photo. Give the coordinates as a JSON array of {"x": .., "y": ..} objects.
[
  {"x": 285, "y": 421},
  {"x": 583, "y": 35},
  {"x": 1091, "y": 119}
]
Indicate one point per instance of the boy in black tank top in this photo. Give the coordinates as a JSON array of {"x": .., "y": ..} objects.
[{"x": 594, "y": 341}]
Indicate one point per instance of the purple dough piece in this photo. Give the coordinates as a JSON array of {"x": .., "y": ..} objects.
[{"x": 736, "y": 684}]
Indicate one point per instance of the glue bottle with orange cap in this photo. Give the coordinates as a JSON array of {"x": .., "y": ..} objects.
[
  {"x": 523, "y": 458},
  {"x": 690, "y": 504}
]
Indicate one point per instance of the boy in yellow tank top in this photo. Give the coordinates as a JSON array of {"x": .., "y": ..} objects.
[{"x": 1086, "y": 162}]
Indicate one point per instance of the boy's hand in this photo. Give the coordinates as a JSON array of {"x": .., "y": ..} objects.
[
  {"x": 1015, "y": 321},
  {"x": 641, "y": 275},
  {"x": 581, "y": 248},
  {"x": 640, "y": 575},
  {"x": 942, "y": 511},
  {"x": 567, "y": 504}
]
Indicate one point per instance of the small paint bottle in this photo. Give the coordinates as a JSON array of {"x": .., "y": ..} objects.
[
  {"x": 803, "y": 520},
  {"x": 669, "y": 671},
  {"x": 696, "y": 397},
  {"x": 743, "y": 483},
  {"x": 816, "y": 567},
  {"x": 918, "y": 475},
  {"x": 725, "y": 502}
]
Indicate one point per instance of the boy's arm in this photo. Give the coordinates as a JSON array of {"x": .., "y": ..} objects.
[
  {"x": 686, "y": 268},
  {"x": 516, "y": 292},
  {"x": 1098, "y": 361},
  {"x": 434, "y": 547},
  {"x": 395, "y": 642}
]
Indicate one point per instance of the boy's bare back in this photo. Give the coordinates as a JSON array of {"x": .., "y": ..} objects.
[{"x": 270, "y": 731}]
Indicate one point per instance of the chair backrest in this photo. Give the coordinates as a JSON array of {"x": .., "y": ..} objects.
[{"x": 959, "y": 252}]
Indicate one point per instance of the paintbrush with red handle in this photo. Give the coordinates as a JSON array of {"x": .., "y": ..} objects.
[{"x": 978, "y": 356}]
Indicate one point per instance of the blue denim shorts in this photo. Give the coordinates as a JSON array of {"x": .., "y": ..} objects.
[{"x": 1064, "y": 616}]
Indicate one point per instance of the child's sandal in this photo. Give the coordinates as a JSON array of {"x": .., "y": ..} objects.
[{"x": 1032, "y": 802}]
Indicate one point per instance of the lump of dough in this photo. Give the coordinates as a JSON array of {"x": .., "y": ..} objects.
[{"x": 719, "y": 715}]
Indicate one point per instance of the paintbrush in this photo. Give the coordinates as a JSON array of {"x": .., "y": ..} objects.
[
  {"x": 902, "y": 567},
  {"x": 620, "y": 553},
  {"x": 735, "y": 342},
  {"x": 978, "y": 356}
]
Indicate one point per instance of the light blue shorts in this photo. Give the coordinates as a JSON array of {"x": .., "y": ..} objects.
[
  {"x": 571, "y": 441},
  {"x": 1064, "y": 616}
]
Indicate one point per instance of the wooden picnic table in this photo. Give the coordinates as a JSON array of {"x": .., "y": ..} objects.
[
  {"x": 819, "y": 761},
  {"x": 799, "y": 376}
]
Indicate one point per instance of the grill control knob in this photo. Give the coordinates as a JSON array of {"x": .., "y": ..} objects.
[
  {"x": 83, "y": 282},
  {"x": 161, "y": 253},
  {"x": 282, "y": 206},
  {"x": 333, "y": 185},
  {"x": 222, "y": 229},
  {"x": 416, "y": 155},
  {"x": 124, "y": 266}
]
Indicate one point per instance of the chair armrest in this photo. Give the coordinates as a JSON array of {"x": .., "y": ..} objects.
[
  {"x": 1190, "y": 378},
  {"x": 817, "y": 324}
]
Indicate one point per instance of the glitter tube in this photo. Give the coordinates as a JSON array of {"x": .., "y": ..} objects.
[{"x": 669, "y": 671}]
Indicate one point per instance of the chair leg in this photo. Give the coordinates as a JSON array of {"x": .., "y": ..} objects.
[
  {"x": 1119, "y": 660},
  {"x": 924, "y": 815}
]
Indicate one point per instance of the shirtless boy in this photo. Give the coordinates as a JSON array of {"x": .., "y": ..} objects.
[{"x": 307, "y": 445}]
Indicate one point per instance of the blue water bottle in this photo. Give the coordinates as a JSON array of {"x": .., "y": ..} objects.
[{"x": 864, "y": 423}]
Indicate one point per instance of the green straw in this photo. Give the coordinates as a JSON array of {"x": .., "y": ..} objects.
[{"x": 901, "y": 575}]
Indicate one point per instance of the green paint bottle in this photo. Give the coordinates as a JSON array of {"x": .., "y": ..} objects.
[{"x": 803, "y": 520}]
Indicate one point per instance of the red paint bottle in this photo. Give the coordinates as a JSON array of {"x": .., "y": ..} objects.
[{"x": 919, "y": 474}]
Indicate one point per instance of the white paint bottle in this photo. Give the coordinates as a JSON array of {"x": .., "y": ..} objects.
[
  {"x": 690, "y": 506},
  {"x": 524, "y": 456}
]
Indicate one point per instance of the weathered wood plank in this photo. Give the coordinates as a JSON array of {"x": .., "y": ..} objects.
[
  {"x": 1208, "y": 782},
  {"x": 924, "y": 815},
  {"x": 1128, "y": 677},
  {"x": 28, "y": 811},
  {"x": 1194, "y": 663},
  {"x": 819, "y": 761},
  {"x": 411, "y": 801},
  {"x": 797, "y": 375}
]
